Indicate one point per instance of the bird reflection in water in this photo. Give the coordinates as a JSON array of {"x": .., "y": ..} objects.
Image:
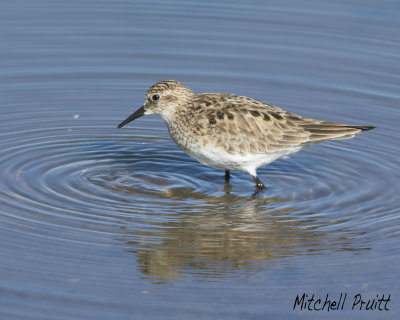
[{"x": 213, "y": 237}]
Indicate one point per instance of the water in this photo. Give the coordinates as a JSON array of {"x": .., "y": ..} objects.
[{"x": 102, "y": 223}]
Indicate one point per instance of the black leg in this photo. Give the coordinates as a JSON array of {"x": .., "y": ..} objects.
[
  {"x": 227, "y": 175},
  {"x": 259, "y": 184}
]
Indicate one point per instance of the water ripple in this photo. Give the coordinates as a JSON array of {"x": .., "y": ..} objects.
[{"x": 80, "y": 175}]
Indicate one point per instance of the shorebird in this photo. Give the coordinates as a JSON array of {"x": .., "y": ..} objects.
[{"x": 232, "y": 132}]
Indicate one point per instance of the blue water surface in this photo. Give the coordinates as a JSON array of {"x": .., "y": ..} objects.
[{"x": 102, "y": 223}]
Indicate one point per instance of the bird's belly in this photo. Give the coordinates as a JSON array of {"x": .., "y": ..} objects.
[{"x": 248, "y": 162}]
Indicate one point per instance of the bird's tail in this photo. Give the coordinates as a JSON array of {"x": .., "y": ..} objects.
[
  {"x": 363, "y": 128},
  {"x": 331, "y": 131}
]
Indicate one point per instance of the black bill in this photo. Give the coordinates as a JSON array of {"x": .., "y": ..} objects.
[{"x": 138, "y": 113}]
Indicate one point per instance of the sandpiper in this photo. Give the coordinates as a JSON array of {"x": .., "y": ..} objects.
[{"x": 232, "y": 132}]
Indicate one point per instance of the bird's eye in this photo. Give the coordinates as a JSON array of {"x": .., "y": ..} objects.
[{"x": 156, "y": 97}]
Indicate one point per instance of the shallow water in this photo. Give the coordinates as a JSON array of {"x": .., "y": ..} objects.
[{"x": 102, "y": 223}]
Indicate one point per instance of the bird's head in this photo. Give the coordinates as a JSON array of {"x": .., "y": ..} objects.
[{"x": 163, "y": 98}]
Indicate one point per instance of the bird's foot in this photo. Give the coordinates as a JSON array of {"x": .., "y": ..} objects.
[
  {"x": 227, "y": 176},
  {"x": 259, "y": 185}
]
